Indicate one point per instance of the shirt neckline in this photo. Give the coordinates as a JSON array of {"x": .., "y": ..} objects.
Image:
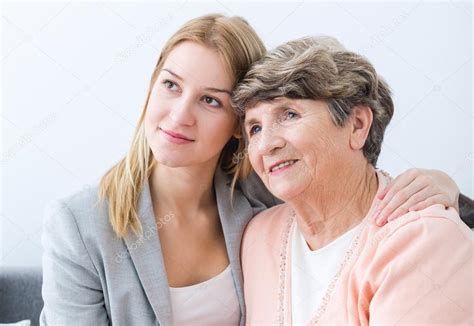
[{"x": 201, "y": 284}]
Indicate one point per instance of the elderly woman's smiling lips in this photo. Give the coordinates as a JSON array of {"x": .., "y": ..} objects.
[{"x": 280, "y": 167}]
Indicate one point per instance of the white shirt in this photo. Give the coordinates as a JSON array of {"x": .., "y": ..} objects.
[
  {"x": 212, "y": 302},
  {"x": 313, "y": 271}
]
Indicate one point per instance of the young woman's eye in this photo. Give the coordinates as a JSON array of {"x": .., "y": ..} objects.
[
  {"x": 211, "y": 101},
  {"x": 254, "y": 129},
  {"x": 170, "y": 85}
]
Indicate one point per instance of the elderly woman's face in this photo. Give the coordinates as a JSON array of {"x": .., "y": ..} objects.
[{"x": 294, "y": 146}]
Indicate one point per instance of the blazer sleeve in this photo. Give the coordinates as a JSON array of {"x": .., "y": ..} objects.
[
  {"x": 422, "y": 274},
  {"x": 259, "y": 197},
  {"x": 71, "y": 289}
]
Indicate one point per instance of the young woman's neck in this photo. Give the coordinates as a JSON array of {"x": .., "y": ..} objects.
[{"x": 183, "y": 189}]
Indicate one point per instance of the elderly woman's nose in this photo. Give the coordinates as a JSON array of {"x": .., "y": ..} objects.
[
  {"x": 270, "y": 140},
  {"x": 181, "y": 111}
]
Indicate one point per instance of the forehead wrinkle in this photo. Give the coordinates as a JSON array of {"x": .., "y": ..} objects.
[{"x": 274, "y": 107}]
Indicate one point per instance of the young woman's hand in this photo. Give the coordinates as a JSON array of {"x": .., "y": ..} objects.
[{"x": 414, "y": 190}]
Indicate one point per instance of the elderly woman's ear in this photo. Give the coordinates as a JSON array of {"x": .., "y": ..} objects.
[{"x": 361, "y": 120}]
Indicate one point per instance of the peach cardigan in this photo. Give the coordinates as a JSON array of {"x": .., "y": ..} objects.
[{"x": 418, "y": 269}]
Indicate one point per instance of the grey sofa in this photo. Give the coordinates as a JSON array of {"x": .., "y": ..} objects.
[{"x": 20, "y": 294}]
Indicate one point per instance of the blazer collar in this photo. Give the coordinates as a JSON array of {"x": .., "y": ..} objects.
[
  {"x": 234, "y": 217},
  {"x": 147, "y": 256}
]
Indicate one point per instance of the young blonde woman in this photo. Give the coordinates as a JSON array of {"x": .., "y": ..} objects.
[{"x": 158, "y": 240}]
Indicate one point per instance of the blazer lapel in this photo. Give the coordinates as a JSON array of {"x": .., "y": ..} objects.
[
  {"x": 147, "y": 257},
  {"x": 234, "y": 217}
]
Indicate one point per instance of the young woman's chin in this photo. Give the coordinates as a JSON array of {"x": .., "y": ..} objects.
[
  {"x": 180, "y": 158},
  {"x": 172, "y": 159}
]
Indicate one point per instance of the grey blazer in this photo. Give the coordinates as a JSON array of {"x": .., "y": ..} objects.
[{"x": 90, "y": 277}]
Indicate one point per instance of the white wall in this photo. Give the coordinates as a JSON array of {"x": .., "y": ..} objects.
[{"x": 75, "y": 77}]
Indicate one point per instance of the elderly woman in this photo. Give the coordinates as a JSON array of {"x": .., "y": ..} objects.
[{"x": 315, "y": 116}]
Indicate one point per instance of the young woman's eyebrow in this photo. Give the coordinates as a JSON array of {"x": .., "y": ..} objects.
[
  {"x": 218, "y": 90},
  {"x": 173, "y": 73},
  {"x": 211, "y": 89}
]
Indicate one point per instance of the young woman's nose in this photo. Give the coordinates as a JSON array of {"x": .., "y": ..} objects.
[{"x": 182, "y": 111}]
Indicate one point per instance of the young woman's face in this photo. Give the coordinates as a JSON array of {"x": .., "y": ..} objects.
[{"x": 189, "y": 118}]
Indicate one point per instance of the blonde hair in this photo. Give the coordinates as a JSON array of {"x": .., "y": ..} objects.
[{"x": 122, "y": 184}]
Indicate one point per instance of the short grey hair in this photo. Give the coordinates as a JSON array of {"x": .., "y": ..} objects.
[{"x": 320, "y": 68}]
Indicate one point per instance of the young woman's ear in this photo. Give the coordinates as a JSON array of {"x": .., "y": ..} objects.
[
  {"x": 362, "y": 117},
  {"x": 237, "y": 134},
  {"x": 237, "y": 131}
]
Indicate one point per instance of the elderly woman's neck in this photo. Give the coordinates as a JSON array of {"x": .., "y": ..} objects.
[{"x": 336, "y": 206}]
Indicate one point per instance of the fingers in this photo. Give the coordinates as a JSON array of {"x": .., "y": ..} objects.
[
  {"x": 419, "y": 197},
  {"x": 401, "y": 180},
  {"x": 401, "y": 191},
  {"x": 387, "y": 188},
  {"x": 398, "y": 183},
  {"x": 427, "y": 202}
]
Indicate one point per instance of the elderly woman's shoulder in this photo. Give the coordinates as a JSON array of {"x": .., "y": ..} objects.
[
  {"x": 433, "y": 224},
  {"x": 270, "y": 220}
]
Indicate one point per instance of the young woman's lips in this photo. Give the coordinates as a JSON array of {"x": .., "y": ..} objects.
[{"x": 176, "y": 138}]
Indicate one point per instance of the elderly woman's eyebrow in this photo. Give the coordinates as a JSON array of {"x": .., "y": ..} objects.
[
  {"x": 280, "y": 107},
  {"x": 250, "y": 122}
]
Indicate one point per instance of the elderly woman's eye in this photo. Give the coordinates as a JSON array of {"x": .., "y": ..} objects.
[
  {"x": 290, "y": 115},
  {"x": 254, "y": 129},
  {"x": 211, "y": 101}
]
